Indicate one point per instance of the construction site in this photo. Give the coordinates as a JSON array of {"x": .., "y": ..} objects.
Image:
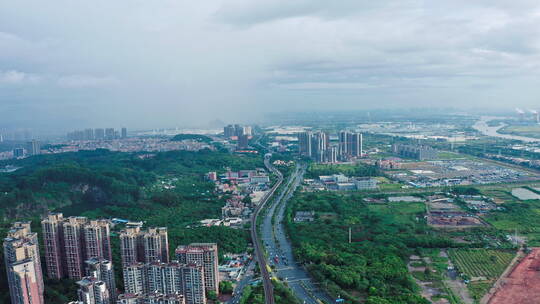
[
  {"x": 442, "y": 212},
  {"x": 520, "y": 284}
]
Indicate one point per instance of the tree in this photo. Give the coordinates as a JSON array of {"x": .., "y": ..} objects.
[
  {"x": 226, "y": 287},
  {"x": 211, "y": 295}
]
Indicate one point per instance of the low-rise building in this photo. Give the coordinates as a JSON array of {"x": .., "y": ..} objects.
[
  {"x": 304, "y": 216},
  {"x": 366, "y": 183},
  {"x": 419, "y": 152}
]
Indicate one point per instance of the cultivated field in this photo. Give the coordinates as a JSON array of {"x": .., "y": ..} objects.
[
  {"x": 477, "y": 263},
  {"x": 481, "y": 266}
]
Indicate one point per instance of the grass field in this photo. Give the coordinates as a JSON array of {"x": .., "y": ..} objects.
[
  {"x": 402, "y": 212},
  {"x": 450, "y": 155},
  {"x": 483, "y": 264},
  {"x": 387, "y": 187}
]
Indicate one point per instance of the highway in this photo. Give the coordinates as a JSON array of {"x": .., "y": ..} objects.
[
  {"x": 277, "y": 244},
  {"x": 259, "y": 253},
  {"x": 246, "y": 279}
]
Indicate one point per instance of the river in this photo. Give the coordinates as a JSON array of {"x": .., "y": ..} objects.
[{"x": 483, "y": 127}]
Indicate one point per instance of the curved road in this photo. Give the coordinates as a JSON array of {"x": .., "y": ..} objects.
[{"x": 267, "y": 282}]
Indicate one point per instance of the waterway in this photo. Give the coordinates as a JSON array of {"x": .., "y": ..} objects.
[{"x": 483, "y": 127}]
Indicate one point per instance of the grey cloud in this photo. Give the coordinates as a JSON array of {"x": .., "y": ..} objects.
[
  {"x": 87, "y": 81},
  {"x": 186, "y": 62},
  {"x": 248, "y": 13}
]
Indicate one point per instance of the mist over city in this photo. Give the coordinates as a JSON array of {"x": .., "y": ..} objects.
[
  {"x": 148, "y": 64},
  {"x": 270, "y": 152}
]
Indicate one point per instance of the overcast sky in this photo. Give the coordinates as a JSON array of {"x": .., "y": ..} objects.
[{"x": 163, "y": 63}]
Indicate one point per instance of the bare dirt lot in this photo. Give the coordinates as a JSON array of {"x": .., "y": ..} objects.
[{"x": 522, "y": 285}]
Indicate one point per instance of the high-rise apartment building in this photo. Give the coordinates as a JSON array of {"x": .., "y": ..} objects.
[
  {"x": 320, "y": 146},
  {"x": 205, "y": 254},
  {"x": 317, "y": 146},
  {"x": 110, "y": 133},
  {"x": 23, "y": 266},
  {"x": 248, "y": 131},
  {"x": 93, "y": 291},
  {"x": 193, "y": 284},
  {"x": 228, "y": 131},
  {"x": 73, "y": 247},
  {"x": 124, "y": 132},
  {"x": 53, "y": 242},
  {"x": 102, "y": 270},
  {"x": 243, "y": 142},
  {"x": 18, "y": 152},
  {"x": 130, "y": 244},
  {"x": 137, "y": 245},
  {"x": 304, "y": 143},
  {"x": 238, "y": 130},
  {"x": 33, "y": 147},
  {"x": 135, "y": 278},
  {"x": 89, "y": 134},
  {"x": 350, "y": 145},
  {"x": 314, "y": 145},
  {"x": 166, "y": 278},
  {"x": 356, "y": 144},
  {"x": 343, "y": 144},
  {"x": 68, "y": 242},
  {"x": 332, "y": 156},
  {"x": 99, "y": 134},
  {"x": 155, "y": 298},
  {"x": 97, "y": 240}
]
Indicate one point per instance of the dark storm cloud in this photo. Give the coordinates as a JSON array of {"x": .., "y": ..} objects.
[{"x": 168, "y": 62}]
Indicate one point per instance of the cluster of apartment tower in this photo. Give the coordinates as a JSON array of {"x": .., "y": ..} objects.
[
  {"x": 80, "y": 249},
  {"x": 316, "y": 145}
]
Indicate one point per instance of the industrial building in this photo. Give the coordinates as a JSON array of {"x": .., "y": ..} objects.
[{"x": 418, "y": 152}]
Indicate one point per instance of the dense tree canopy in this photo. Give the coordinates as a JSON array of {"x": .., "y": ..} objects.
[{"x": 373, "y": 267}]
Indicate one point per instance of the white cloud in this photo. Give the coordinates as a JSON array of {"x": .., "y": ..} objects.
[{"x": 13, "y": 77}]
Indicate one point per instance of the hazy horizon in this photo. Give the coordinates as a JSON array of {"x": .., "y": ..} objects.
[{"x": 140, "y": 64}]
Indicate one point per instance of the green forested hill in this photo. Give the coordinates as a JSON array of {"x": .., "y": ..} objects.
[
  {"x": 126, "y": 185},
  {"x": 101, "y": 178}
]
